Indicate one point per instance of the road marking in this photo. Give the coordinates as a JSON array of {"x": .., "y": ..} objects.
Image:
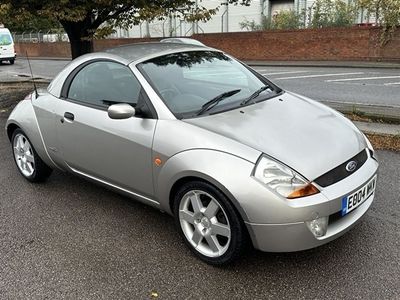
[
  {"x": 287, "y": 72},
  {"x": 320, "y": 75},
  {"x": 365, "y": 78},
  {"x": 260, "y": 70},
  {"x": 392, "y": 83}
]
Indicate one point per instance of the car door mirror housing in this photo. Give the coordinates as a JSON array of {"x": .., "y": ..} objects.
[{"x": 121, "y": 111}]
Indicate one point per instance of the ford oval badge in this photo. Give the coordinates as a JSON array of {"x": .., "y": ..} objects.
[{"x": 351, "y": 166}]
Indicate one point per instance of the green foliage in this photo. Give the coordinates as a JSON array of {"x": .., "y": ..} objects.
[
  {"x": 333, "y": 13},
  {"x": 387, "y": 14},
  {"x": 287, "y": 20},
  {"x": 25, "y": 22},
  {"x": 284, "y": 20},
  {"x": 81, "y": 19},
  {"x": 251, "y": 25}
]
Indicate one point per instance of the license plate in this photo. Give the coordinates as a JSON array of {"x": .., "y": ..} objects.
[{"x": 354, "y": 200}]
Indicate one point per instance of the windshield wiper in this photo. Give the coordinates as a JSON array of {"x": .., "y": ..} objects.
[
  {"x": 214, "y": 101},
  {"x": 255, "y": 94}
]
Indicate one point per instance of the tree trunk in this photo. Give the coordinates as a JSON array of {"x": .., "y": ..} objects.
[
  {"x": 80, "y": 36},
  {"x": 79, "y": 46}
]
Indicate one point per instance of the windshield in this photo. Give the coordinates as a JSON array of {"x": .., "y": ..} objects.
[
  {"x": 5, "y": 39},
  {"x": 186, "y": 81}
]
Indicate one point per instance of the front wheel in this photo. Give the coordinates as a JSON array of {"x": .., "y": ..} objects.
[
  {"x": 29, "y": 164},
  {"x": 12, "y": 61},
  {"x": 208, "y": 223}
]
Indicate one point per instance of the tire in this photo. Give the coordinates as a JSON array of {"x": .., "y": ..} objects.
[
  {"x": 208, "y": 223},
  {"x": 28, "y": 162},
  {"x": 12, "y": 61}
]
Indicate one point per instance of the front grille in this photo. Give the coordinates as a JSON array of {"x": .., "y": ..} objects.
[{"x": 340, "y": 171}]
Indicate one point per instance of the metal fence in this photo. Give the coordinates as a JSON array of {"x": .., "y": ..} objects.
[{"x": 48, "y": 36}]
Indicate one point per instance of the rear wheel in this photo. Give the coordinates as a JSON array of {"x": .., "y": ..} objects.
[
  {"x": 29, "y": 164},
  {"x": 208, "y": 223},
  {"x": 12, "y": 61}
]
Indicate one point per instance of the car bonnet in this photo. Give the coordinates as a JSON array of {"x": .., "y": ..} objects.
[{"x": 303, "y": 134}]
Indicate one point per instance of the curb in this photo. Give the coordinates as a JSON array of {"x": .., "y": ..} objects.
[
  {"x": 378, "y": 113},
  {"x": 377, "y": 128},
  {"x": 45, "y": 58}
]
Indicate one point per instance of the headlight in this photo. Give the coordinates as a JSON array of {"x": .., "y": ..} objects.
[{"x": 282, "y": 179}]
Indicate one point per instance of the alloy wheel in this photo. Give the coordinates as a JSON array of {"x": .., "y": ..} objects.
[
  {"x": 204, "y": 223},
  {"x": 23, "y": 154}
]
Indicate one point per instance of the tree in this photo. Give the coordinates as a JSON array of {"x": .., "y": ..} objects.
[
  {"x": 23, "y": 23},
  {"x": 81, "y": 19},
  {"x": 387, "y": 15}
]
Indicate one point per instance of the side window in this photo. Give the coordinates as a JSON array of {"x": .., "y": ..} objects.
[{"x": 104, "y": 83}]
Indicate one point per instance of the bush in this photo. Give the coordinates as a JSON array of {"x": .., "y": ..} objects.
[
  {"x": 287, "y": 20},
  {"x": 333, "y": 13},
  {"x": 283, "y": 20}
]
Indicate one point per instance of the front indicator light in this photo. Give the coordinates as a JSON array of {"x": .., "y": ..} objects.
[
  {"x": 318, "y": 226},
  {"x": 307, "y": 190}
]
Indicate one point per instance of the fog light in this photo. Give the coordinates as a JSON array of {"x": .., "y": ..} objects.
[{"x": 318, "y": 226}]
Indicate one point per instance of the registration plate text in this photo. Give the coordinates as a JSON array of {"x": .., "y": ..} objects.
[{"x": 352, "y": 201}]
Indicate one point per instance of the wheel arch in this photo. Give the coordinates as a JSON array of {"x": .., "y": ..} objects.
[
  {"x": 11, "y": 127},
  {"x": 23, "y": 117},
  {"x": 177, "y": 172},
  {"x": 191, "y": 178}
]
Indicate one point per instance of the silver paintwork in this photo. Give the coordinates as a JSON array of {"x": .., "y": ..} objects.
[
  {"x": 300, "y": 144},
  {"x": 120, "y": 111},
  {"x": 221, "y": 149}
]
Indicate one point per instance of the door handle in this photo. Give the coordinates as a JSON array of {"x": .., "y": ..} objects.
[{"x": 69, "y": 116}]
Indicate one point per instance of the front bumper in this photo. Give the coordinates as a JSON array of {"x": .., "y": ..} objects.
[
  {"x": 296, "y": 236},
  {"x": 292, "y": 234},
  {"x": 7, "y": 58}
]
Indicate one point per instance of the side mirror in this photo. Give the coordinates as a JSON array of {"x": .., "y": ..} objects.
[{"x": 121, "y": 111}]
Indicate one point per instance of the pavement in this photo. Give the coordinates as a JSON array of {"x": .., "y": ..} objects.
[
  {"x": 378, "y": 128},
  {"x": 71, "y": 239}
]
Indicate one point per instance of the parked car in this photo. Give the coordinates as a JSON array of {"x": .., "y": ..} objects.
[
  {"x": 7, "y": 51},
  {"x": 193, "y": 132},
  {"x": 182, "y": 41}
]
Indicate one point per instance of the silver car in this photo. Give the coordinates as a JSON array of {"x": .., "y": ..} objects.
[{"x": 193, "y": 132}]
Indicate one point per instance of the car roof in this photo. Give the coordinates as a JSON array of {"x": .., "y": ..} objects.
[
  {"x": 126, "y": 54},
  {"x": 140, "y": 51}
]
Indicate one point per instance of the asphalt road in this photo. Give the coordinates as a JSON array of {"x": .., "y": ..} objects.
[
  {"x": 42, "y": 68},
  {"x": 68, "y": 238},
  {"x": 352, "y": 85}
]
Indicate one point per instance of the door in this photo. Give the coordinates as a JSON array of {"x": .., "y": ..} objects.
[{"x": 117, "y": 152}]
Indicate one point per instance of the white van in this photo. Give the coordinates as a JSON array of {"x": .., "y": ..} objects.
[{"x": 7, "y": 51}]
